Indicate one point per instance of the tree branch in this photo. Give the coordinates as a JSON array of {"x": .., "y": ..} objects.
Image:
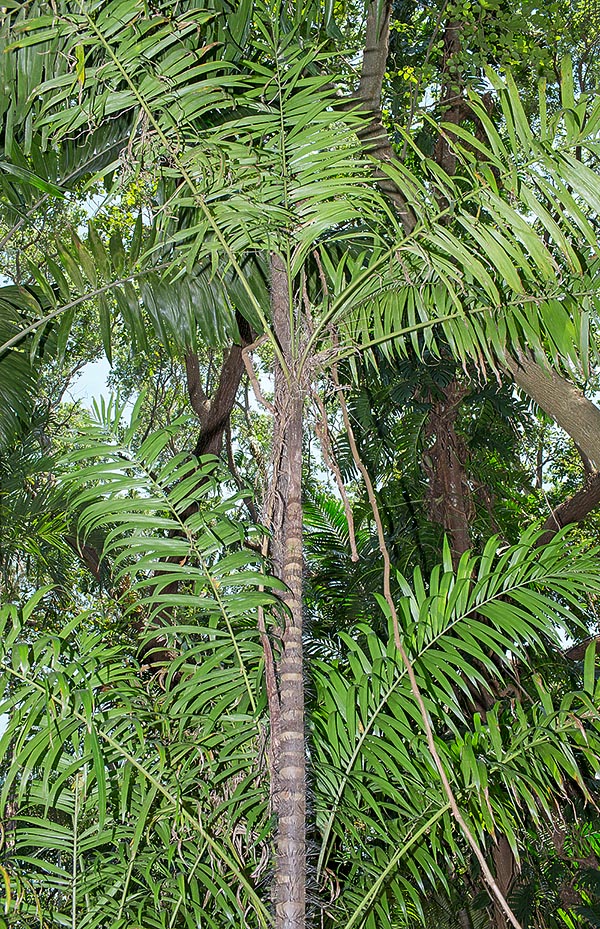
[
  {"x": 565, "y": 403},
  {"x": 572, "y": 510},
  {"x": 198, "y": 399},
  {"x": 214, "y": 412}
]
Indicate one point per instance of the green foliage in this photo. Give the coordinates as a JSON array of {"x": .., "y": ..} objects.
[
  {"x": 101, "y": 758},
  {"x": 106, "y": 769},
  {"x": 107, "y": 765},
  {"x": 32, "y": 545},
  {"x": 245, "y": 183},
  {"x": 338, "y": 591},
  {"x": 376, "y": 798},
  {"x": 134, "y": 787}
]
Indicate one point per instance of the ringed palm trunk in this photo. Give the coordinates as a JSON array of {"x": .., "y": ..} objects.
[{"x": 289, "y": 889}]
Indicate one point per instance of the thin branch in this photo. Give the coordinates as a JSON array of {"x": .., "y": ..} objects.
[
  {"x": 248, "y": 500},
  {"x": 261, "y": 399}
]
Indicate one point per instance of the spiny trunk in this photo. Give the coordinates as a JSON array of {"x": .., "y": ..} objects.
[
  {"x": 290, "y": 797},
  {"x": 286, "y": 526}
]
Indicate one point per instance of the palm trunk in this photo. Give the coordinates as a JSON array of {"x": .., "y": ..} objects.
[{"x": 286, "y": 526}]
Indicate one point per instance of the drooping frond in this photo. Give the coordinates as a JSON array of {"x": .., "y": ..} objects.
[
  {"x": 145, "y": 770},
  {"x": 377, "y": 804}
]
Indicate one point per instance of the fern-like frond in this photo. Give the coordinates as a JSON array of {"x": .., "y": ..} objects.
[
  {"x": 154, "y": 781},
  {"x": 374, "y": 772}
]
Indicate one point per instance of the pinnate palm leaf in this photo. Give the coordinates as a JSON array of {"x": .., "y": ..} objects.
[
  {"x": 156, "y": 791},
  {"x": 375, "y": 782}
]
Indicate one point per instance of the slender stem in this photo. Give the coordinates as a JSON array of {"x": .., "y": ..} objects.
[
  {"x": 322, "y": 430},
  {"x": 290, "y": 798},
  {"x": 75, "y": 852}
]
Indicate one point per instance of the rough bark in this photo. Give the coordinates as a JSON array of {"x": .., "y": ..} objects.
[
  {"x": 565, "y": 403},
  {"x": 286, "y": 526},
  {"x": 574, "y": 509},
  {"x": 214, "y": 413},
  {"x": 374, "y": 136},
  {"x": 505, "y": 867},
  {"x": 452, "y": 102},
  {"x": 449, "y": 501}
]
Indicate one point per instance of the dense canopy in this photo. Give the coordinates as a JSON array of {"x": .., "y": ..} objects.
[{"x": 298, "y": 620}]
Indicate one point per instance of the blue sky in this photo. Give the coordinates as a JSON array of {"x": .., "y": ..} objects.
[{"x": 90, "y": 383}]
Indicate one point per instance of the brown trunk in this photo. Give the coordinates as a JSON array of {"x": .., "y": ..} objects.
[
  {"x": 448, "y": 484},
  {"x": 452, "y": 102},
  {"x": 504, "y": 865},
  {"x": 449, "y": 502},
  {"x": 286, "y": 527},
  {"x": 449, "y": 499}
]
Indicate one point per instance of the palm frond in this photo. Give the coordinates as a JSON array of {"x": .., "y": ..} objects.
[
  {"x": 153, "y": 784},
  {"x": 372, "y": 758}
]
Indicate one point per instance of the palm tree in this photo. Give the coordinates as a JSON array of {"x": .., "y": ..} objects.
[{"x": 266, "y": 168}]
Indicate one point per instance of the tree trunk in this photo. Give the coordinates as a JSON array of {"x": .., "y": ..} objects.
[
  {"x": 452, "y": 101},
  {"x": 505, "y": 867},
  {"x": 374, "y": 135},
  {"x": 563, "y": 401},
  {"x": 286, "y": 527},
  {"x": 449, "y": 498}
]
